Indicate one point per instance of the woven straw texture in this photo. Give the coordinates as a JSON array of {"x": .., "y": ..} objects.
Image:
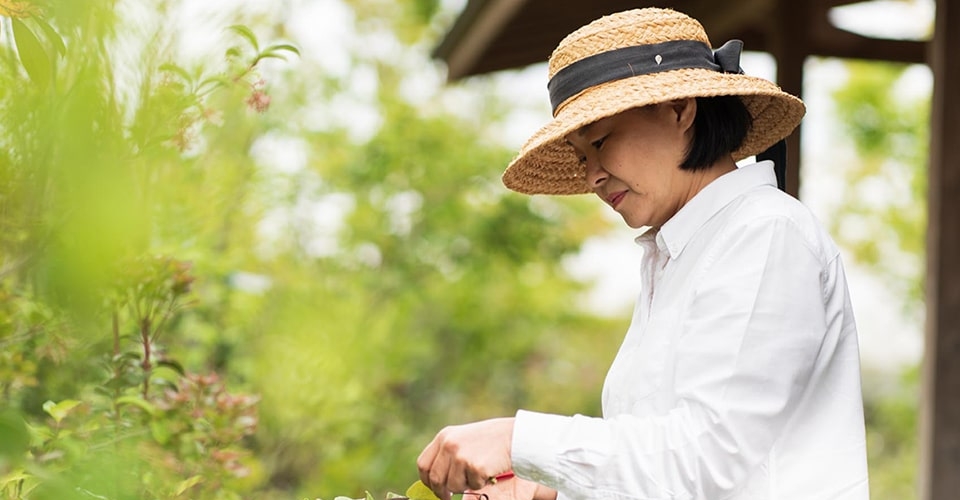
[{"x": 547, "y": 164}]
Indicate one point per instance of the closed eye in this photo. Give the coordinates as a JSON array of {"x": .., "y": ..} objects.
[
  {"x": 582, "y": 158},
  {"x": 597, "y": 144}
]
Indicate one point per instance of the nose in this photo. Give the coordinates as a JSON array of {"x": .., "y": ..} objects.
[{"x": 596, "y": 175}]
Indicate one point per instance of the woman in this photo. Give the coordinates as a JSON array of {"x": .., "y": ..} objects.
[{"x": 739, "y": 376}]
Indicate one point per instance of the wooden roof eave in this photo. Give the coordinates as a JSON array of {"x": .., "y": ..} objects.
[{"x": 494, "y": 35}]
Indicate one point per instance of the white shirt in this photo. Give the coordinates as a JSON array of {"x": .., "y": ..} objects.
[{"x": 739, "y": 377}]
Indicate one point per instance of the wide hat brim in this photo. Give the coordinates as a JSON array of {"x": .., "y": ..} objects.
[{"x": 548, "y": 164}]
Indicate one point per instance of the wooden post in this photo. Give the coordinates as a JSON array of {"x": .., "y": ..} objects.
[
  {"x": 940, "y": 423},
  {"x": 791, "y": 41}
]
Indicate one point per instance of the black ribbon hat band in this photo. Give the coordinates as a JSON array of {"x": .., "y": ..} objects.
[
  {"x": 641, "y": 60},
  {"x": 637, "y": 60}
]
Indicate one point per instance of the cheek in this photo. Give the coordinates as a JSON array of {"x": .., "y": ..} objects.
[{"x": 624, "y": 162}]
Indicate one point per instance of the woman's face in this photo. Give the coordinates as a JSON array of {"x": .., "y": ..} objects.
[{"x": 633, "y": 161}]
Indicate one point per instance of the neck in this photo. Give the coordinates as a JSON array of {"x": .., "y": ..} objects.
[{"x": 704, "y": 176}]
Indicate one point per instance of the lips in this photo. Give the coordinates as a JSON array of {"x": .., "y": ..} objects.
[{"x": 615, "y": 198}]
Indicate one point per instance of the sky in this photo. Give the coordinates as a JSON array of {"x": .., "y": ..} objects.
[{"x": 325, "y": 32}]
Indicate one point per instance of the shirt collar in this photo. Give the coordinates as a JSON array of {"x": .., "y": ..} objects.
[{"x": 676, "y": 232}]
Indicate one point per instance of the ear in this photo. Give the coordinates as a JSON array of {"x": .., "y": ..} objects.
[{"x": 684, "y": 112}]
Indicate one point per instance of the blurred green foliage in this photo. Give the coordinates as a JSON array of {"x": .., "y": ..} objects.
[
  {"x": 891, "y": 406},
  {"x": 882, "y": 220},
  {"x": 186, "y": 316}
]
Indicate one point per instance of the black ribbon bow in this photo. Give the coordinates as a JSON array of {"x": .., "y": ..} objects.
[{"x": 727, "y": 57}]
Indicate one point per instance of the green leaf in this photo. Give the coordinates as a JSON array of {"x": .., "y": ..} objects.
[
  {"x": 138, "y": 402},
  {"x": 32, "y": 54},
  {"x": 51, "y": 35},
  {"x": 20, "y": 481},
  {"x": 160, "y": 432},
  {"x": 127, "y": 356},
  {"x": 14, "y": 437},
  {"x": 245, "y": 32},
  {"x": 233, "y": 52},
  {"x": 60, "y": 410},
  {"x": 419, "y": 491},
  {"x": 177, "y": 70},
  {"x": 186, "y": 484},
  {"x": 270, "y": 55},
  {"x": 39, "y": 435},
  {"x": 283, "y": 47},
  {"x": 14, "y": 476},
  {"x": 173, "y": 365},
  {"x": 212, "y": 83}
]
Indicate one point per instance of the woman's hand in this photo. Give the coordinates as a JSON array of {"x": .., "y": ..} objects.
[
  {"x": 517, "y": 489},
  {"x": 465, "y": 457}
]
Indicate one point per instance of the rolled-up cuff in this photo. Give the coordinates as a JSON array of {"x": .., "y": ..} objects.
[{"x": 534, "y": 450}]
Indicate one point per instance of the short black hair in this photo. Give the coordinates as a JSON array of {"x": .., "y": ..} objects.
[{"x": 721, "y": 124}]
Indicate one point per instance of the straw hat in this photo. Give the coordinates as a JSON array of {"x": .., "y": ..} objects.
[{"x": 632, "y": 59}]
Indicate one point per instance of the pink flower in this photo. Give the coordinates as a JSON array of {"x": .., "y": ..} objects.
[
  {"x": 213, "y": 116},
  {"x": 258, "y": 101},
  {"x": 183, "y": 139}
]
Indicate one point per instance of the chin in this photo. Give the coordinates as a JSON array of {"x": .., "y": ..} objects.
[{"x": 634, "y": 224}]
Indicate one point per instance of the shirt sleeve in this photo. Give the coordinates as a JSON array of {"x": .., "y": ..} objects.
[{"x": 745, "y": 350}]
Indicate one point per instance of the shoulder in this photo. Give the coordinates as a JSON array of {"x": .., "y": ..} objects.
[{"x": 766, "y": 209}]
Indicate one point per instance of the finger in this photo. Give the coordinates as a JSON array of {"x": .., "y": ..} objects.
[
  {"x": 457, "y": 476},
  {"x": 475, "y": 480},
  {"x": 441, "y": 489},
  {"x": 439, "y": 472},
  {"x": 433, "y": 472},
  {"x": 426, "y": 459}
]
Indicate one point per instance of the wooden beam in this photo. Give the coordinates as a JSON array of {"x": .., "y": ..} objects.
[
  {"x": 829, "y": 41},
  {"x": 721, "y": 23},
  {"x": 940, "y": 423},
  {"x": 473, "y": 32}
]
